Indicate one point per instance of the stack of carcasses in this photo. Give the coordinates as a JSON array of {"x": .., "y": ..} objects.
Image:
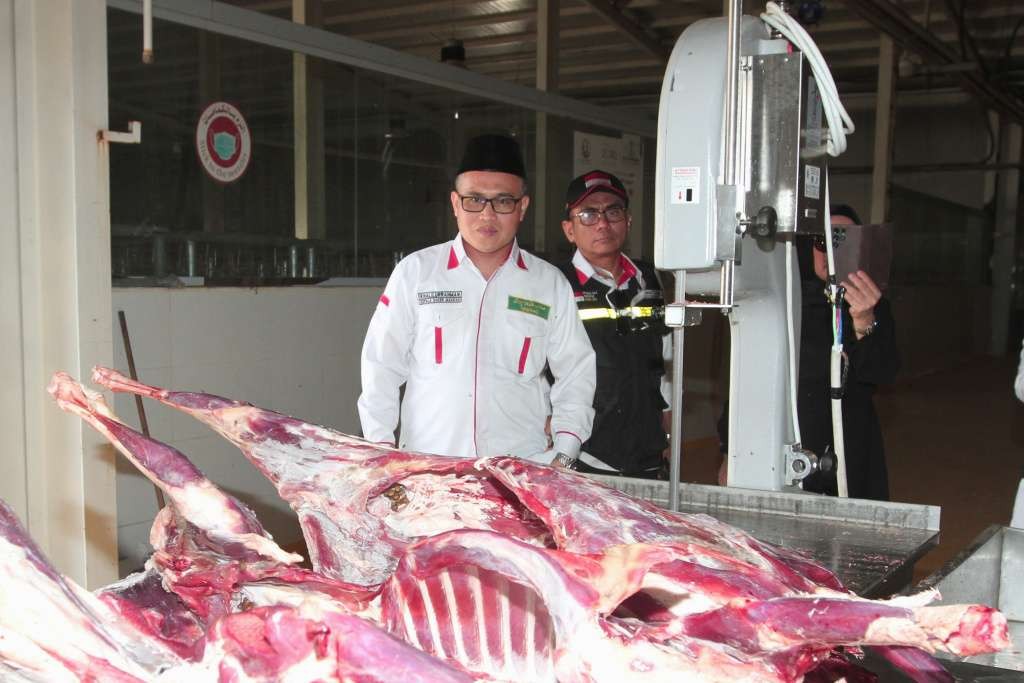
[{"x": 429, "y": 568}]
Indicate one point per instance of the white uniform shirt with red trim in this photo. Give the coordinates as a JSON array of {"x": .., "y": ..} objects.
[{"x": 471, "y": 353}]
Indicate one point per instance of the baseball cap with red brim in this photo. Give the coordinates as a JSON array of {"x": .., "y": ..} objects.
[{"x": 594, "y": 181}]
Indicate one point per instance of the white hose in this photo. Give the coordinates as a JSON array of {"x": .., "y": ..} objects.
[
  {"x": 836, "y": 358},
  {"x": 839, "y": 126},
  {"x": 836, "y": 373},
  {"x": 839, "y": 122},
  {"x": 792, "y": 342}
]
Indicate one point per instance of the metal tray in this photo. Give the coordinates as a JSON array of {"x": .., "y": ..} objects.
[
  {"x": 989, "y": 571},
  {"x": 871, "y": 546}
]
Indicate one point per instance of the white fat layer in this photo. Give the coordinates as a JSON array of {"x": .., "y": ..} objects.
[
  {"x": 437, "y": 503},
  {"x": 203, "y": 505},
  {"x": 505, "y": 625},
  {"x": 34, "y": 606},
  {"x": 30, "y": 662},
  {"x": 476, "y": 590},
  {"x": 435, "y": 631},
  {"x": 674, "y": 597},
  {"x": 269, "y": 595},
  {"x": 613, "y": 660},
  {"x": 916, "y": 600},
  {"x": 897, "y": 630},
  {"x": 410, "y": 626},
  {"x": 453, "y": 615}
]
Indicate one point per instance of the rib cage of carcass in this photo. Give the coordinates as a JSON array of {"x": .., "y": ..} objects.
[{"x": 429, "y": 568}]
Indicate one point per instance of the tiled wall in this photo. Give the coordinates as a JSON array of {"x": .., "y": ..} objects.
[{"x": 291, "y": 349}]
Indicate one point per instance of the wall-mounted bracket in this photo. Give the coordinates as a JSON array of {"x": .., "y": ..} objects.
[{"x": 132, "y": 137}]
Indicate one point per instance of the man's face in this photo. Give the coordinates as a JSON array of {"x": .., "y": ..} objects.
[
  {"x": 487, "y": 231},
  {"x": 602, "y": 239},
  {"x": 820, "y": 256}
]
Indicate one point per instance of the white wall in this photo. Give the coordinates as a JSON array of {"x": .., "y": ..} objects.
[
  {"x": 290, "y": 349},
  {"x": 55, "y": 472}
]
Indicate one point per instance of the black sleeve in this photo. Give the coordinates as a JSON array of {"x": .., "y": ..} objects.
[{"x": 875, "y": 359}]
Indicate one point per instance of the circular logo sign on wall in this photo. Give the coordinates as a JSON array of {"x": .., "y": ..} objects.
[{"x": 223, "y": 142}]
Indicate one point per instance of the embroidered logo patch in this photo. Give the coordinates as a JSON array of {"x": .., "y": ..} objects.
[
  {"x": 585, "y": 296},
  {"x": 444, "y": 296},
  {"x": 527, "y": 306}
]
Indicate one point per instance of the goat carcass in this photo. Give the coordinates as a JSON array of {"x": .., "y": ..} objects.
[{"x": 362, "y": 506}]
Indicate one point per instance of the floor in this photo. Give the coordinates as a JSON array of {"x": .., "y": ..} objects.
[{"x": 954, "y": 438}]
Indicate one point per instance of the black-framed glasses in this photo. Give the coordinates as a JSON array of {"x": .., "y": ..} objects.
[
  {"x": 612, "y": 214},
  {"x": 503, "y": 204}
]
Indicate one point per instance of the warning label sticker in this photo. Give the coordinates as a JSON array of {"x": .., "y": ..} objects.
[
  {"x": 812, "y": 182},
  {"x": 685, "y": 187}
]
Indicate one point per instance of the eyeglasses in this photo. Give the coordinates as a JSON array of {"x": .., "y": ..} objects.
[
  {"x": 503, "y": 204},
  {"x": 612, "y": 214}
]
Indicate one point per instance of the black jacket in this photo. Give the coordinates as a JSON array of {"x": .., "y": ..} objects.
[
  {"x": 628, "y": 433},
  {"x": 873, "y": 360}
]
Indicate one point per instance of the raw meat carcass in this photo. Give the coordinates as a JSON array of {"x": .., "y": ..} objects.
[
  {"x": 207, "y": 544},
  {"x": 359, "y": 504},
  {"x": 511, "y": 570},
  {"x": 141, "y": 600},
  {"x": 51, "y": 630},
  {"x": 778, "y": 639},
  {"x": 306, "y": 644}
]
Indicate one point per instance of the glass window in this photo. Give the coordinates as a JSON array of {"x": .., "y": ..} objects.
[{"x": 376, "y": 154}]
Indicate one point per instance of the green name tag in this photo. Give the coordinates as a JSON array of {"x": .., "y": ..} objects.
[{"x": 526, "y": 306}]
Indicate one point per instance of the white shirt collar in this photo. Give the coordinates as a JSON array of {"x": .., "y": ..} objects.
[{"x": 586, "y": 270}]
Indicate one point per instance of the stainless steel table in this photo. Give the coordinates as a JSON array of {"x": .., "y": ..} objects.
[
  {"x": 990, "y": 571},
  {"x": 871, "y": 546}
]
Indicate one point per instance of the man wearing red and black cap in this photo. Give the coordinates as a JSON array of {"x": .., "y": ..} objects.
[
  {"x": 620, "y": 301},
  {"x": 469, "y": 326}
]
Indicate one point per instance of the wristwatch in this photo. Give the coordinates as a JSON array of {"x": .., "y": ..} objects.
[
  {"x": 565, "y": 461},
  {"x": 867, "y": 330}
]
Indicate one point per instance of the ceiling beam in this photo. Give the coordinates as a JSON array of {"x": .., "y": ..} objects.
[
  {"x": 637, "y": 33},
  {"x": 891, "y": 19}
]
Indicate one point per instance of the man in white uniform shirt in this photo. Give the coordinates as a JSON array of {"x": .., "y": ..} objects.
[{"x": 469, "y": 326}]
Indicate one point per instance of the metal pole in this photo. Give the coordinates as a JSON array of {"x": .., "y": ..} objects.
[
  {"x": 676, "y": 428},
  {"x": 355, "y": 179},
  {"x": 732, "y": 63},
  {"x": 190, "y": 258},
  {"x": 311, "y": 262},
  {"x": 884, "y": 124},
  {"x": 729, "y": 290},
  {"x": 147, "y": 31},
  {"x": 159, "y": 255},
  {"x": 143, "y": 423}
]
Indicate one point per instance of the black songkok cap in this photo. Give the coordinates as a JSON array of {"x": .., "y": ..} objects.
[{"x": 497, "y": 153}]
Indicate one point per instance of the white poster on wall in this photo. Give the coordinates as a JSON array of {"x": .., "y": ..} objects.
[{"x": 622, "y": 157}]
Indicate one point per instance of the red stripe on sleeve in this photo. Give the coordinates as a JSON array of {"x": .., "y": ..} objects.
[
  {"x": 524, "y": 354},
  {"x": 438, "y": 351},
  {"x": 384, "y": 299},
  {"x": 572, "y": 434}
]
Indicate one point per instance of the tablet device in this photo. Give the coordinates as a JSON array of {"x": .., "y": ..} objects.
[{"x": 867, "y": 248}]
